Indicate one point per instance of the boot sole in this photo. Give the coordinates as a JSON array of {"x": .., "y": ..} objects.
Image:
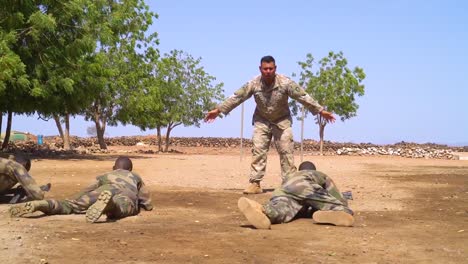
[
  {"x": 96, "y": 210},
  {"x": 20, "y": 210},
  {"x": 338, "y": 218},
  {"x": 251, "y": 211},
  {"x": 257, "y": 191}
]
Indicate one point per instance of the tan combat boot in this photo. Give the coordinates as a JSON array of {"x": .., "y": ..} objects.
[
  {"x": 99, "y": 207},
  {"x": 338, "y": 218},
  {"x": 28, "y": 208},
  {"x": 253, "y": 211},
  {"x": 254, "y": 188}
]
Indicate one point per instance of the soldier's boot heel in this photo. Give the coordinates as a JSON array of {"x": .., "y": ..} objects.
[
  {"x": 254, "y": 188},
  {"x": 338, "y": 218},
  {"x": 254, "y": 213},
  {"x": 21, "y": 209},
  {"x": 98, "y": 208}
]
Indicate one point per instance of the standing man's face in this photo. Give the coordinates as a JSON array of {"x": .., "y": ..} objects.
[{"x": 268, "y": 70}]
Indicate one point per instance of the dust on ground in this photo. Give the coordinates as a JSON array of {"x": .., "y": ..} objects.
[{"x": 407, "y": 211}]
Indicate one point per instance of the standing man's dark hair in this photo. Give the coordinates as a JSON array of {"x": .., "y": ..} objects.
[
  {"x": 123, "y": 163},
  {"x": 267, "y": 59},
  {"x": 25, "y": 161},
  {"x": 307, "y": 165}
]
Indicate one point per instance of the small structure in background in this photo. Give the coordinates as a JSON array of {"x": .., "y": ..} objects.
[
  {"x": 40, "y": 139},
  {"x": 19, "y": 136}
]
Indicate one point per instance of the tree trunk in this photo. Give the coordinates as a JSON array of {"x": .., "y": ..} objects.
[
  {"x": 6, "y": 140},
  {"x": 66, "y": 133},
  {"x": 1, "y": 119},
  {"x": 100, "y": 129},
  {"x": 168, "y": 133},
  {"x": 322, "y": 128},
  {"x": 59, "y": 126},
  {"x": 322, "y": 123},
  {"x": 158, "y": 134}
]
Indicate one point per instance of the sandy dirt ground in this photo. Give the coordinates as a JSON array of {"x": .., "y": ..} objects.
[{"x": 407, "y": 211}]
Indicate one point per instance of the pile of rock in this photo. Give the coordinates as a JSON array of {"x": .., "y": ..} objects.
[
  {"x": 54, "y": 146},
  {"x": 413, "y": 152}
]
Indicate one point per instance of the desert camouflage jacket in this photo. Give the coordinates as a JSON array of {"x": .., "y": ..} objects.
[
  {"x": 272, "y": 102},
  {"x": 11, "y": 173}
]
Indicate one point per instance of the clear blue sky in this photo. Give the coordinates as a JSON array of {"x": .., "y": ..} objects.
[{"x": 414, "y": 53}]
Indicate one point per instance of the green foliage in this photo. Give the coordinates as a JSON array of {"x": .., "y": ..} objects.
[
  {"x": 334, "y": 85},
  {"x": 179, "y": 92}
]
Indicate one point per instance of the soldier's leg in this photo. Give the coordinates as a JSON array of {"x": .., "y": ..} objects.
[
  {"x": 254, "y": 213},
  {"x": 48, "y": 207},
  {"x": 330, "y": 209},
  {"x": 282, "y": 209},
  {"x": 261, "y": 140},
  {"x": 312, "y": 194},
  {"x": 122, "y": 206},
  {"x": 285, "y": 146}
]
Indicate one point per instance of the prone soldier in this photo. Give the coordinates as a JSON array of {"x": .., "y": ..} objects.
[
  {"x": 117, "y": 194},
  {"x": 303, "y": 190},
  {"x": 14, "y": 171}
]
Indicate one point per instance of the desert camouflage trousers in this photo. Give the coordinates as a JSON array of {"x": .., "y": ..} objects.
[
  {"x": 121, "y": 204},
  {"x": 298, "y": 194},
  {"x": 261, "y": 139}
]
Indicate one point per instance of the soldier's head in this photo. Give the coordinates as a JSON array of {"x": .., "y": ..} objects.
[
  {"x": 307, "y": 165},
  {"x": 24, "y": 161},
  {"x": 268, "y": 69},
  {"x": 123, "y": 163}
]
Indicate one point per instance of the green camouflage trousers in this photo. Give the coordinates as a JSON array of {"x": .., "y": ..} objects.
[
  {"x": 120, "y": 206},
  {"x": 261, "y": 140},
  {"x": 304, "y": 190}
]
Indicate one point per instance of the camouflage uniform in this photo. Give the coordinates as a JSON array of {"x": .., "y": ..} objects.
[
  {"x": 128, "y": 190},
  {"x": 272, "y": 118},
  {"x": 303, "y": 190},
  {"x": 11, "y": 173}
]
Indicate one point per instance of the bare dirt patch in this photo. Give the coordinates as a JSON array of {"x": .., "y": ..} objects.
[{"x": 407, "y": 210}]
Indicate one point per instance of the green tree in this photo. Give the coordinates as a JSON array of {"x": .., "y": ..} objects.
[
  {"x": 180, "y": 91},
  {"x": 52, "y": 40},
  {"x": 120, "y": 70},
  {"x": 333, "y": 85},
  {"x": 14, "y": 79}
]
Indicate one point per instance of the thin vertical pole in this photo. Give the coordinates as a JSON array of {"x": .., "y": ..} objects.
[
  {"x": 302, "y": 134},
  {"x": 242, "y": 132}
]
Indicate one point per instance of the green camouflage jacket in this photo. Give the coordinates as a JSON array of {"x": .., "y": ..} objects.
[{"x": 11, "y": 173}]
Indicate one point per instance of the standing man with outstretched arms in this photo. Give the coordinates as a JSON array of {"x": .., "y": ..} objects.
[{"x": 272, "y": 118}]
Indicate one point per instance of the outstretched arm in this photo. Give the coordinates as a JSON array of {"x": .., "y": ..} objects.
[
  {"x": 239, "y": 96},
  {"x": 27, "y": 182},
  {"x": 327, "y": 116},
  {"x": 299, "y": 94},
  {"x": 211, "y": 115},
  {"x": 144, "y": 197}
]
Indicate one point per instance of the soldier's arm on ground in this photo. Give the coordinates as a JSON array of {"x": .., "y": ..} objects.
[
  {"x": 144, "y": 197},
  {"x": 296, "y": 92},
  {"x": 239, "y": 96},
  {"x": 26, "y": 181}
]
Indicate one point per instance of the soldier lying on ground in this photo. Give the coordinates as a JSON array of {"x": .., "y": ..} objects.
[
  {"x": 116, "y": 194},
  {"x": 14, "y": 171},
  {"x": 302, "y": 190}
]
